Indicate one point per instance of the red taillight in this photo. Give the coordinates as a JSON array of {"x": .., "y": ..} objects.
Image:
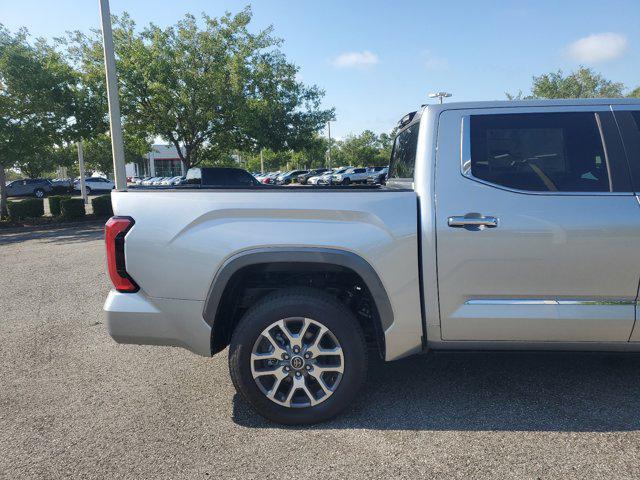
[{"x": 114, "y": 231}]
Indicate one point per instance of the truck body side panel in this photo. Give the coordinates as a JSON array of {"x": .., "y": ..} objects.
[{"x": 182, "y": 238}]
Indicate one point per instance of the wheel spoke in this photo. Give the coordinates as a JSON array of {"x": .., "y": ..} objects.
[
  {"x": 320, "y": 369},
  {"x": 266, "y": 356},
  {"x": 285, "y": 330},
  {"x": 314, "y": 348},
  {"x": 277, "y": 350},
  {"x": 293, "y": 390},
  {"x": 321, "y": 382},
  {"x": 264, "y": 373},
  {"x": 271, "y": 394},
  {"x": 312, "y": 399}
]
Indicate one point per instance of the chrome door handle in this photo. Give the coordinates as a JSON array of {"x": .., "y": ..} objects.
[{"x": 473, "y": 220}]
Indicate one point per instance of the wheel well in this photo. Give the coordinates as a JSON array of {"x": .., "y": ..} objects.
[{"x": 250, "y": 283}]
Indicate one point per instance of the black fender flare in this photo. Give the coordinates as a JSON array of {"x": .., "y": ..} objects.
[{"x": 329, "y": 256}]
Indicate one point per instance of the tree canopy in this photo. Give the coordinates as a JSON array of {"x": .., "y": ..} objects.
[
  {"x": 583, "y": 83},
  {"x": 36, "y": 103},
  {"x": 207, "y": 86}
]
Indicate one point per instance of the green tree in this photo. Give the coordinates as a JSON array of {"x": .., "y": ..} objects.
[
  {"x": 583, "y": 83},
  {"x": 634, "y": 93},
  {"x": 98, "y": 155},
  {"x": 365, "y": 149},
  {"x": 207, "y": 89},
  {"x": 35, "y": 103}
]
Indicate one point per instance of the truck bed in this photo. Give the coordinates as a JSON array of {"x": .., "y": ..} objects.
[{"x": 182, "y": 237}]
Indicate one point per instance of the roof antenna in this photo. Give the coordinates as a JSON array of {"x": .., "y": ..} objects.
[{"x": 440, "y": 95}]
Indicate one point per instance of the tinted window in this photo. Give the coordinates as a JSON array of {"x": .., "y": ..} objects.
[
  {"x": 557, "y": 152},
  {"x": 403, "y": 158},
  {"x": 360, "y": 170}
]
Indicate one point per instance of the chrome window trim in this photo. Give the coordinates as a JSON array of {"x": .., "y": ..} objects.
[
  {"x": 546, "y": 301},
  {"x": 465, "y": 156}
]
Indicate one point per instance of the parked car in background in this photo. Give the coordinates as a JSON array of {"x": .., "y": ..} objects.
[
  {"x": 170, "y": 181},
  {"x": 315, "y": 179},
  {"x": 269, "y": 178},
  {"x": 95, "y": 184},
  {"x": 288, "y": 177},
  {"x": 351, "y": 175},
  {"x": 37, "y": 187},
  {"x": 303, "y": 178},
  {"x": 378, "y": 176},
  {"x": 62, "y": 182},
  {"x": 220, "y": 177},
  {"x": 328, "y": 178},
  {"x": 149, "y": 181}
]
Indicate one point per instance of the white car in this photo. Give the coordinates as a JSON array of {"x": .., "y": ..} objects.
[
  {"x": 351, "y": 175},
  {"x": 158, "y": 181},
  {"x": 170, "y": 180},
  {"x": 147, "y": 181},
  {"x": 313, "y": 180},
  {"x": 329, "y": 177},
  {"x": 94, "y": 184}
]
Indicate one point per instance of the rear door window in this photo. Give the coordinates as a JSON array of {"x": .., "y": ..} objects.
[
  {"x": 629, "y": 123},
  {"x": 403, "y": 157},
  {"x": 546, "y": 152}
]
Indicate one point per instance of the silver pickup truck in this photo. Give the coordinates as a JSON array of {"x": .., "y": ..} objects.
[{"x": 503, "y": 225}]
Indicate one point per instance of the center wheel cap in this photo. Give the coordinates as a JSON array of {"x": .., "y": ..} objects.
[{"x": 297, "y": 363}]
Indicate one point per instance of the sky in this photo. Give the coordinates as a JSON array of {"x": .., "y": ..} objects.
[{"x": 377, "y": 60}]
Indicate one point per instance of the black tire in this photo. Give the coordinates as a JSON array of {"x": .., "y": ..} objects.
[
  {"x": 346, "y": 181},
  {"x": 39, "y": 193},
  {"x": 88, "y": 190},
  {"x": 299, "y": 302}
]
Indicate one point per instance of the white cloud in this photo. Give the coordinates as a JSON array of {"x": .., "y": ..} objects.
[
  {"x": 433, "y": 62},
  {"x": 355, "y": 60},
  {"x": 598, "y": 47}
]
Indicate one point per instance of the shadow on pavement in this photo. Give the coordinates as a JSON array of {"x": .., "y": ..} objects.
[
  {"x": 72, "y": 234},
  {"x": 492, "y": 391}
]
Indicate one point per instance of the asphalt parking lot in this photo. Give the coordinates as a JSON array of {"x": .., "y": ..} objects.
[{"x": 75, "y": 404}]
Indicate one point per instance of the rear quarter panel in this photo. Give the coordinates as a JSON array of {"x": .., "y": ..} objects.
[{"x": 181, "y": 238}]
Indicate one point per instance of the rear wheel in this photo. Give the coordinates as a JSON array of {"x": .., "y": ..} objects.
[
  {"x": 88, "y": 190},
  {"x": 298, "y": 357}
]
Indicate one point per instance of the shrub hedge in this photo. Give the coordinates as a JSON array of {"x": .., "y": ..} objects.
[
  {"x": 54, "y": 204},
  {"x": 102, "y": 206},
  {"x": 29, "y": 208},
  {"x": 60, "y": 190},
  {"x": 72, "y": 208}
]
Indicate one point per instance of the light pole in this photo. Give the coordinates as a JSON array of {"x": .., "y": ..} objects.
[
  {"x": 117, "y": 145},
  {"x": 440, "y": 95},
  {"x": 83, "y": 185},
  {"x": 329, "y": 134}
]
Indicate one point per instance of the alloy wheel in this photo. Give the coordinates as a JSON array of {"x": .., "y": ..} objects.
[{"x": 297, "y": 362}]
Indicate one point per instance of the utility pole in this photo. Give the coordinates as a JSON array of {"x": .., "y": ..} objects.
[
  {"x": 261, "y": 161},
  {"x": 83, "y": 184},
  {"x": 329, "y": 132},
  {"x": 117, "y": 145}
]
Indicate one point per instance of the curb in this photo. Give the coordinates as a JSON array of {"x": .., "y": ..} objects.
[{"x": 57, "y": 226}]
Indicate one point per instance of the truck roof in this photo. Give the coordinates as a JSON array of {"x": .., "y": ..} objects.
[{"x": 534, "y": 103}]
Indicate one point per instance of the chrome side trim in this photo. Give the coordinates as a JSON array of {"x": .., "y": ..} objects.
[{"x": 526, "y": 301}]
